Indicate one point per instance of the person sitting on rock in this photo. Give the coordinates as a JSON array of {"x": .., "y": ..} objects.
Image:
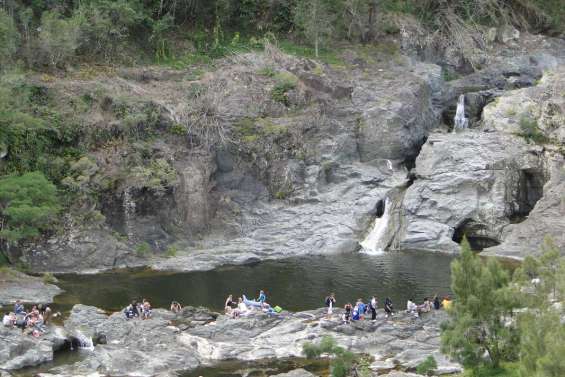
[
  {"x": 446, "y": 303},
  {"x": 230, "y": 304},
  {"x": 262, "y": 298},
  {"x": 389, "y": 310},
  {"x": 175, "y": 307},
  {"x": 356, "y": 313},
  {"x": 425, "y": 307},
  {"x": 19, "y": 308},
  {"x": 361, "y": 307},
  {"x": 347, "y": 314},
  {"x": 135, "y": 308},
  {"x": 146, "y": 314},
  {"x": 243, "y": 309},
  {"x": 437, "y": 304},
  {"x": 46, "y": 312},
  {"x": 411, "y": 307},
  {"x": 129, "y": 313},
  {"x": 9, "y": 320}
]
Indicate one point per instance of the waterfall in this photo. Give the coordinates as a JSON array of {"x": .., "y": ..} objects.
[
  {"x": 376, "y": 241},
  {"x": 84, "y": 342},
  {"x": 129, "y": 211},
  {"x": 460, "y": 122}
]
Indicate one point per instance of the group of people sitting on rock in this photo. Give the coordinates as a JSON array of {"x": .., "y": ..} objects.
[
  {"x": 360, "y": 309},
  {"x": 31, "y": 322},
  {"x": 138, "y": 310},
  {"x": 427, "y": 305},
  {"x": 243, "y": 306}
]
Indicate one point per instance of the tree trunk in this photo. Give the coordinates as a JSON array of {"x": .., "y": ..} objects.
[
  {"x": 316, "y": 42},
  {"x": 372, "y": 19}
]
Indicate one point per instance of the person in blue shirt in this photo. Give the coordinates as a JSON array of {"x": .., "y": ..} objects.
[
  {"x": 19, "y": 308},
  {"x": 262, "y": 297},
  {"x": 362, "y": 308}
]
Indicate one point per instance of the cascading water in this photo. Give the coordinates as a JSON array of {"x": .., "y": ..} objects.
[
  {"x": 460, "y": 122},
  {"x": 129, "y": 211},
  {"x": 376, "y": 241},
  {"x": 84, "y": 342}
]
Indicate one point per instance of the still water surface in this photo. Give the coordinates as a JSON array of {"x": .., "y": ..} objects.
[{"x": 294, "y": 284}]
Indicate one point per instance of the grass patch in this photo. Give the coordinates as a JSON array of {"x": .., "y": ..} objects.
[
  {"x": 49, "y": 278},
  {"x": 427, "y": 367},
  {"x": 267, "y": 71},
  {"x": 505, "y": 370},
  {"x": 328, "y": 56},
  {"x": 143, "y": 249},
  {"x": 529, "y": 129},
  {"x": 285, "y": 83},
  {"x": 171, "y": 251}
]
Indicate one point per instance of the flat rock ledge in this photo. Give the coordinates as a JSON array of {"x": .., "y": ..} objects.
[
  {"x": 15, "y": 285},
  {"x": 169, "y": 343}
]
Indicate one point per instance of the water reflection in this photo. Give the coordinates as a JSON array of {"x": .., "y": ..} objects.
[{"x": 294, "y": 284}]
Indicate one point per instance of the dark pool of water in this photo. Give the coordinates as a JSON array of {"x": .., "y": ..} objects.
[{"x": 294, "y": 284}]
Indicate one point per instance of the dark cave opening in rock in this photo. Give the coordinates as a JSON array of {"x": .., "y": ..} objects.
[
  {"x": 530, "y": 191},
  {"x": 477, "y": 234},
  {"x": 380, "y": 208}
]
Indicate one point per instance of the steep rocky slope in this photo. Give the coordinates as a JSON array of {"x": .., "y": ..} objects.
[{"x": 269, "y": 155}]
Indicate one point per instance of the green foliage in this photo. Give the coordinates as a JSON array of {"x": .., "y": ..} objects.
[
  {"x": 143, "y": 249},
  {"x": 285, "y": 82},
  {"x": 58, "y": 38},
  {"x": 171, "y": 251},
  {"x": 342, "y": 361},
  {"x": 49, "y": 278},
  {"x": 314, "y": 19},
  {"x": 542, "y": 338},
  {"x": 476, "y": 326},
  {"x": 157, "y": 176},
  {"x": 530, "y": 130},
  {"x": 8, "y": 39},
  {"x": 29, "y": 206},
  {"x": 267, "y": 71},
  {"x": 427, "y": 367}
]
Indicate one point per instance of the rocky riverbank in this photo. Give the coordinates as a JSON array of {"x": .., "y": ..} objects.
[{"x": 169, "y": 343}]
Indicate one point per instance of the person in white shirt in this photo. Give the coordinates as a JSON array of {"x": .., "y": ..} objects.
[{"x": 411, "y": 307}]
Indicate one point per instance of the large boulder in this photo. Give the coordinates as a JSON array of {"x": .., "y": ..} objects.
[
  {"x": 473, "y": 183},
  {"x": 15, "y": 285},
  {"x": 396, "y": 115}
]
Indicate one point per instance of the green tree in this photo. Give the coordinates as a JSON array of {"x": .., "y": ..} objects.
[
  {"x": 484, "y": 302},
  {"x": 29, "y": 206},
  {"x": 342, "y": 361},
  {"x": 8, "y": 39},
  {"x": 58, "y": 37},
  {"x": 315, "y": 19},
  {"x": 542, "y": 335}
]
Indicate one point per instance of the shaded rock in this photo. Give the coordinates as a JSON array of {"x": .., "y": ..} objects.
[
  {"x": 15, "y": 285},
  {"x": 296, "y": 373}
]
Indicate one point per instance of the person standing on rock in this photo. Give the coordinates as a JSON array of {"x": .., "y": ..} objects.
[
  {"x": 373, "y": 307},
  {"x": 388, "y": 307},
  {"x": 330, "y": 303}
]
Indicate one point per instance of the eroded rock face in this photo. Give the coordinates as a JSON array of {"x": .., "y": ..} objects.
[{"x": 472, "y": 181}]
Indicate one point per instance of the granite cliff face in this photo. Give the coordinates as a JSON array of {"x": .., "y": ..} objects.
[{"x": 271, "y": 155}]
